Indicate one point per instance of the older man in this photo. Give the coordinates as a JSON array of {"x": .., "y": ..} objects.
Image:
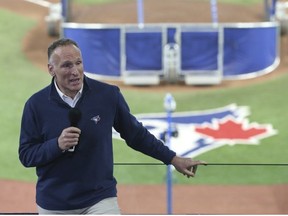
[{"x": 74, "y": 161}]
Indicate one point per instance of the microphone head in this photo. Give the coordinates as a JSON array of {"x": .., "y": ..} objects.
[{"x": 74, "y": 116}]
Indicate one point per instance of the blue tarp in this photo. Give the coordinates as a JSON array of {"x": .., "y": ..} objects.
[
  {"x": 245, "y": 50},
  {"x": 199, "y": 51},
  {"x": 100, "y": 49},
  {"x": 143, "y": 51}
]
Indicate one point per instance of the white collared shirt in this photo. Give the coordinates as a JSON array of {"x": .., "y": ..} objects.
[{"x": 70, "y": 101}]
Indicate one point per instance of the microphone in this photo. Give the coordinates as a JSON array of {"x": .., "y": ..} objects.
[{"x": 74, "y": 116}]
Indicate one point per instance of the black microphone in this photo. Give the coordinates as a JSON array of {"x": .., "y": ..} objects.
[{"x": 74, "y": 116}]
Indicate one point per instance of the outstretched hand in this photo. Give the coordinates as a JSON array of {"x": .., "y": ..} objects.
[{"x": 186, "y": 166}]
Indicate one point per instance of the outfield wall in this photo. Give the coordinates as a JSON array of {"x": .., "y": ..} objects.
[{"x": 194, "y": 53}]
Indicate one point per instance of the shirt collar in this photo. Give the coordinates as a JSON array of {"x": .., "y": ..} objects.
[{"x": 63, "y": 96}]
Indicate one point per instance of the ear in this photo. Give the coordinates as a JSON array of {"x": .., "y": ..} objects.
[{"x": 50, "y": 69}]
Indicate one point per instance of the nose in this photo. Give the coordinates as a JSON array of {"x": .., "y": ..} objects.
[{"x": 74, "y": 70}]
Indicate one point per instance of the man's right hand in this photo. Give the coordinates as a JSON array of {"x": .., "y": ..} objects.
[{"x": 69, "y": 138}]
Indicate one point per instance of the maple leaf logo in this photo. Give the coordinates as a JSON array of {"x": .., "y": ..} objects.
[
  {"x": 204, "y": 130},
  {"x": 233, "y": 131}
]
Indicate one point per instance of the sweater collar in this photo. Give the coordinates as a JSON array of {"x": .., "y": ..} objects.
[{"x": 55, "y": 94}]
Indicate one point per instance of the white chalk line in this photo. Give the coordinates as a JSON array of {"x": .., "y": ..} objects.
[{"x": 42, "y": 3}]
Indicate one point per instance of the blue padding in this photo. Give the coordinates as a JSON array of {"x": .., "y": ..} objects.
[
  {"x": 143, "y": 51},
  {"x": 100, "y": 49},
  {"x": 199, "y": 51},
  {"x": 64, "y": 12},
  {"x": 248, "y": 50},
  {"x": 171, "y": 35}
]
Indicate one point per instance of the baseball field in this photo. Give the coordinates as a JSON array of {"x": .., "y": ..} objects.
[{"x": 215, "y": 189}]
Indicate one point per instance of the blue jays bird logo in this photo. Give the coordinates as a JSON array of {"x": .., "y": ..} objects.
[{"x": 197, "y": 132}]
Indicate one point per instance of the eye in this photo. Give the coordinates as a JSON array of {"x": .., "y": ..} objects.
[{"x": 67, "y": 65}]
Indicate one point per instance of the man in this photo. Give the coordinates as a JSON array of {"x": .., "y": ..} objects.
[{"x": 74, "y": 161}]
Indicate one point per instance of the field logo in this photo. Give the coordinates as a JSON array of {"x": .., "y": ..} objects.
[{"x": 197, "y": 132}]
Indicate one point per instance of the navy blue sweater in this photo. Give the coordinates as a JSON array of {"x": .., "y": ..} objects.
[{"x": 76, "y": 180}]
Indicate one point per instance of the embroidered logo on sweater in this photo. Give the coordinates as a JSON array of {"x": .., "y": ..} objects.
[{"x": 96, "y": 119}]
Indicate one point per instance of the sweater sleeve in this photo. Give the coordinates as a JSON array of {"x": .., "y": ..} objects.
[
  {"x": 137, "y": 136},
  {"x": 33, "y": 150}
]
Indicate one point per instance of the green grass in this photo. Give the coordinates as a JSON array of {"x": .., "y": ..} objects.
[
  {"x": 267, "y": 104},
  {"x": 19, "y": 79}
]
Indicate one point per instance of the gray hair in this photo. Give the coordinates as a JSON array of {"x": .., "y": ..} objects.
[{"x": 58, "y": 43}]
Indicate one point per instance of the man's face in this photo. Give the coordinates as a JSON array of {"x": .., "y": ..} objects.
[{"x": 66, "y": 66}]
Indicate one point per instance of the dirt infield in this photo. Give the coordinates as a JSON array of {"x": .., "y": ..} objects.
[
  {"x": 18, "y": 197},
  {"x": 151, "y": 199}
]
